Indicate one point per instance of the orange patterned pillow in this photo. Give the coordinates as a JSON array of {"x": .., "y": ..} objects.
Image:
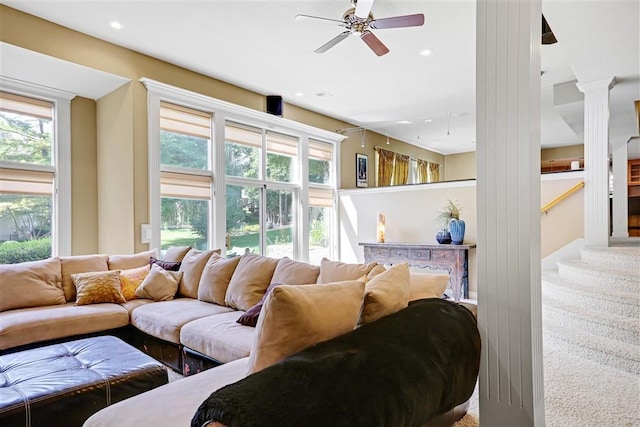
[{"x": 131, "y": 279}]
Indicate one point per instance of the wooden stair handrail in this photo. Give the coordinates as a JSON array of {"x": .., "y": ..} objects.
[{"x": 561, "y": 197}]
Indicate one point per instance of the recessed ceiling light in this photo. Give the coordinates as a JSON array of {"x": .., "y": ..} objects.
[
  {"x": 116, "y": 25},
  {"x": 425, "y": 52},
  {"x": 404, "y": 122},
  {"x": 299, "y": 93},
  {"x": 428, "y": 120}
]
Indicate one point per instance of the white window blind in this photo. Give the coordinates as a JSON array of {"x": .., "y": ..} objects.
[
  {"x": 186, "y": 121},
  {"x": 282, "y": 144},
  {"x": 320, "y": 198},
  {"x": 320, "y": 150},
  {"x": 243, "y": 135},
  {"x": 185, "y": 186},
  {"x": 18, "y": 104},
  {"x": 20, "y": 181}
]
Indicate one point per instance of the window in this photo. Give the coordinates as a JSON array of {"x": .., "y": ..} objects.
[
  {"x": 185, "y": 176},
  {"x": 34, "y": 217},
  {"x": 221, "y": 175}
]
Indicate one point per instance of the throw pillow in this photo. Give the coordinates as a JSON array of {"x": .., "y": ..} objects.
[
  {"x": 31, "y": 284},
  {"x": 167, "y": 265},
  {"x": 250, "y": 317},
  {"x": 159, "y": 285},
  {"x": 127, "y": 262},
  {"x": 425, "y": 285},
  {"x": 130, "y": 280},
  {"x": 295, "y": 317},
  {"x": 98, "y": 287},
  {"x": 176, "y": 253},
  {"x": 250, "y": 281},
  {"x": 336, "y": 271},
  {"x": 385, "y": 294},
  {"x": 292, "y": 272},
  {"x": 79, "y": 264},
  {"x": 215, "y": 278},
  {"x": 378, "y": 269},
  {"x": 191, "y": 267}
]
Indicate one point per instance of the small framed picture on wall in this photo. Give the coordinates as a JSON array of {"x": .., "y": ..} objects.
[{"x": 362, "y": 170}]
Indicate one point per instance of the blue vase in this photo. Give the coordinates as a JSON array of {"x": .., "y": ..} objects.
[
  {"x": 456, "y": 228},
  {"x": 443, "y": 237}
]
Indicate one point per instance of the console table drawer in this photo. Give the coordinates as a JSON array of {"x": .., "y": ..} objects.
[
  {"x": 419, "y": 254},
  {"x": 442, "y": 255},
  {"x": 398, "y": 254},
  {"x": 376, "y": 254}
]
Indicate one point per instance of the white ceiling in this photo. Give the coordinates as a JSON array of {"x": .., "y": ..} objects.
[{"x": 259, "y": 46}]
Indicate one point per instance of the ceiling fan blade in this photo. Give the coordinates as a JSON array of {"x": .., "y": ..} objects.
[
  {"x": 334, "y": 41},
  {"x": 302, "y": 17},
  {"x": 374, "y": 43},
  {"x": 363, "y": 8},
  {"x": 398, "y": 21}
]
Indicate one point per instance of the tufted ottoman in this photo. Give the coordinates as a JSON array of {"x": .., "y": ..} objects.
[{"x": 64, "y": 384}]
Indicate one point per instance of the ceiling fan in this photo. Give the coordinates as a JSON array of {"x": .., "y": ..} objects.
[{"x": 359, "y": 21}]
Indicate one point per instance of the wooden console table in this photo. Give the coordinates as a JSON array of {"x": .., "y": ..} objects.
[{"x": 453, "y": 258}]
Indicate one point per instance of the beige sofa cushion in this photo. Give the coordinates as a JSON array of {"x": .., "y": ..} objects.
[
  {"x": 385, "y": 294},
  {"x": 215, "y": 278},
  {"x": 159, "y": 284},
  {"x": 192, "y": 265},
  {"x": 79, "y": 264},
  {"x": 425, "y": 285},
  {"x": 336, "y": 271},
  {"x": 165, "y": 319},
  {"x": 98, "y": 287},
  {"x": 294, "y": 317},
  {"x": 219, "y": 336},
  {"x": 31, "y": 325},
  {"x": 31, "y": 284},
  {"x": 126, "y": 262},
  {"x": 290, "y": 272},
  {"x": 250, "y": 281},
  {"x": 176, "y": 253}
]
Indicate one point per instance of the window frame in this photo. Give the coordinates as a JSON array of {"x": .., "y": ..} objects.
[
  {"x": 61, "y": 228},
  {"x": 222, "y": 113}
]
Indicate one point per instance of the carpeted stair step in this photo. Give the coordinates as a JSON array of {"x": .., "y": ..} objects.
[
  {"x": 600, "y": 323},
  {"x": 594, "y": 276},
  {"x": 601, "y": 349},
  {"x": 624, "y": 258},
  {"x": 620, "y": 303}
]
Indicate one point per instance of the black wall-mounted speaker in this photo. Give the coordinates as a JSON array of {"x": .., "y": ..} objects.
[{"x": 274, "y": 105}]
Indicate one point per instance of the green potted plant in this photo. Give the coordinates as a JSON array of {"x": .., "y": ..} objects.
[{"x": 451, "y": 226}]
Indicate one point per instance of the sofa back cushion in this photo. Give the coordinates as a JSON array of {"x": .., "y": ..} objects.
[
  {"x": 79, "y": 264},
  {"x": 336, "y": 271},
  {"x": 176, "y": 253},
  {"x": 215, "y": 278},
  {"x": 191, "y": 267},
  {"x": 290, "y": 272},
  {"x": 426, "y": 285},
  {"x": 126, "y": 262},
  {"x": 294, "y": 317},
  {"x": 250, "y": 281},
  {"x": 386, "y": 293},
  {"x": 31, "y": 284}
]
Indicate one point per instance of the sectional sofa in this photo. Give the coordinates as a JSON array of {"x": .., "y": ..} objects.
[{"x": 183, "y": 309}]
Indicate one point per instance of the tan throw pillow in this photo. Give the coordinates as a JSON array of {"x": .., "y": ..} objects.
[
  {"x": 378, "y": 269},
  {"x": 176, "y": 253},
  {"x": 127, "y": 262},
  {"x": 385, "y": 294},
  {"x": 98, "y": 287},
  {"x": 31, "y": 284},
  {"x": 295, "y": 317},
  {"x": 425, "y": 285},
  {"x": 131, "y": 279},
  {"x": 159, "y": 285},
  {"x": 250, "y": 281},
  {"x": 215, "y": 278},
  {"x": 191, "y": 267},
  {"x": 79, "y": 264},
  {"x": 290, "y": 272},
  {"x": 336, "y": 271}
]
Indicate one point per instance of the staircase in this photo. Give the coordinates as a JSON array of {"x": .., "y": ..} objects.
[{"x": 591, "y": 307}]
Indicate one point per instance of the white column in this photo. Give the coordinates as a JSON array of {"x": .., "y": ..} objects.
[
  {"x": 596, "y": 161},
  {"x": 508, "y": 189},
  {"x": 620, "y": 190}
]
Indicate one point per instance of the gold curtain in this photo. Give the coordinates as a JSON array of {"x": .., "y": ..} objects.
[
  {"x": 434, "y": 172},
  {"x": 385, "y": 167},
  {"x": 401, "y": 169},
  {"x": 423, "y": 171}
]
